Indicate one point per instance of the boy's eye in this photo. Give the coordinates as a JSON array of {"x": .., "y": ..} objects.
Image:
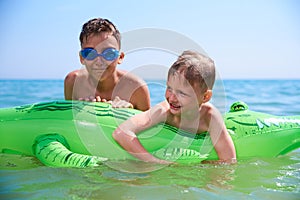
[{"x": 182, "y": 94}]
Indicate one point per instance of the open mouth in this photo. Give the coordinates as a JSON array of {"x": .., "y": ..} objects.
[{"x": 174, "y": 106}]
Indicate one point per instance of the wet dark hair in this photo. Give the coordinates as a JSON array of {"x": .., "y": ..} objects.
[
  {"x": 196, "y": 68},
  {"x": 97, "y": 26}
]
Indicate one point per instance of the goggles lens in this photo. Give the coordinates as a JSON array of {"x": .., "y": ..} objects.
[{"x": 108, "y": 54}]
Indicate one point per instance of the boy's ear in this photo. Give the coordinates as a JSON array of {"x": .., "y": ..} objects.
[
  {"x": 81, "y": 58},
  {"x": 121, "y": 57},
  {"x": 207, "y": 96}
]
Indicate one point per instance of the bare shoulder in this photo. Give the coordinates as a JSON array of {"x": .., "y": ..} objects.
[
  {"x": 73, "y": 75},
  {"x": 158, "y": 113},
  {"x": 209, "y": 111},
  {"x": 208, "y": 106},
  {"x": 133, "y": 89},
  {"x": 161, "y": 108},
  {"x": 128, "y": 77},
  {"x": 69, "y": 83}
]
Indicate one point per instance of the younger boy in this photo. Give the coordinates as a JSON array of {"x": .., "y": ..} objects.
[
  {"x": 100, "y": 80},
  {"x": 189, "y": 88}
]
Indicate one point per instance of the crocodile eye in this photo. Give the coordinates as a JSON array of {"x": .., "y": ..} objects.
[{"x": 238, "y": 106}]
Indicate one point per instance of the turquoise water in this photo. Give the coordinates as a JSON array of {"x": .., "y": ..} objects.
[{"x": 24, "y": 177}]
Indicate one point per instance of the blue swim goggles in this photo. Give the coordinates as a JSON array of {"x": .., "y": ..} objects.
[{"x": 108, "y": 54}]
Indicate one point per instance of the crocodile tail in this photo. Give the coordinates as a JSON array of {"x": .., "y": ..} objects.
[{"x": 53, "y": 150}]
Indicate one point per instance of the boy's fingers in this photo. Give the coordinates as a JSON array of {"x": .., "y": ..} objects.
[{"x": 98, "y": 99}]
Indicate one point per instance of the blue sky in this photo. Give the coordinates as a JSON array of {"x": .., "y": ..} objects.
[{"x": 247, "y": 39}]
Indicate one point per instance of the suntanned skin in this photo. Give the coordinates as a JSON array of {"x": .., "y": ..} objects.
[
  {"x": 100, "y": 80},
  {"x": 185, "y": 108}
]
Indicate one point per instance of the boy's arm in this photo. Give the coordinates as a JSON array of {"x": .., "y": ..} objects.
[
  {"x": 125, "y": 134},
  {"x": 221, "y": 139},
  {"x": 141, "y": 98}
]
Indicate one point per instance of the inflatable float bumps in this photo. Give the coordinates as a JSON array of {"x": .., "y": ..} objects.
[{"x": 79, "y": 134}]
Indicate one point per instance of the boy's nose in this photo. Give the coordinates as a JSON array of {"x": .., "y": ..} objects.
[
  {"x": 172, "y": 97},
  {"x": 100, "y": 59}
]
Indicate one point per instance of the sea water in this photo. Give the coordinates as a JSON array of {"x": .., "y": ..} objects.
[{"x": 24, "y": 177}]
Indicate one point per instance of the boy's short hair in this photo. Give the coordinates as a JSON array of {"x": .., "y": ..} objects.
[
  {"x": 196, "y": 68},
  {"x": 97, "y": 26}
]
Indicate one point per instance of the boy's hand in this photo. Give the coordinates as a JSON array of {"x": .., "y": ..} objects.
[
  {"x": 119, "y": 103},
  {"x": 92, "y": 99},
  {"x": 116, "y": 103}
]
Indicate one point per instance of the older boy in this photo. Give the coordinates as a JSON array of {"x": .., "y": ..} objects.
[
  {"x": 189, "y": 88},
  {"x": 100, "y": 80}
]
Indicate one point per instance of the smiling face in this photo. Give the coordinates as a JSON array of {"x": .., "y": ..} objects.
[
  {"x": 99, "y": 68},
  {"x": 183, "y": 98},
  {"x": 190, "y": 82}
]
